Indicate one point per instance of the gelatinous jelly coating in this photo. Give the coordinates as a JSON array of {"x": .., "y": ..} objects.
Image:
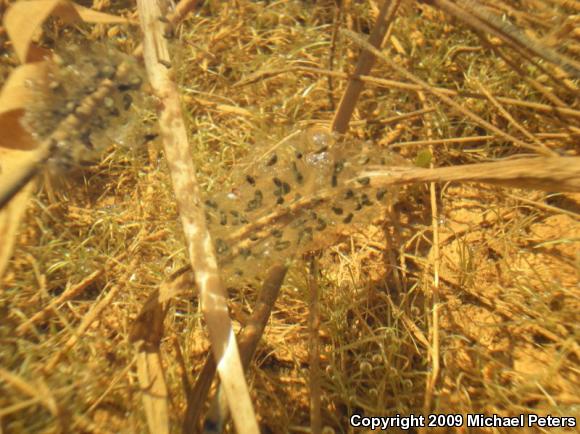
[
  {"x": 288, "y": 200},
  {"x": 74, "y": 76}
]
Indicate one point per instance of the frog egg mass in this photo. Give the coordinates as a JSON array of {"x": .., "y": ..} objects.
[
  {"x": 74, "y": 76},
  {"x": 288, "y": 200}
]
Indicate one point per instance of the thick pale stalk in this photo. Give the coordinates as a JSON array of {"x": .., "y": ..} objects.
[{"x": 199, "y": 244}]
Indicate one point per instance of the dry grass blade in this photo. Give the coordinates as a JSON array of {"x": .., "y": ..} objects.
[
  {"x": 550, "y": 174},
  {"x": 382, "y": 82},
  {"x": 544, "y": 90},
  {"x": 408, "y": 322},
  {"x": 518, "y": 38},
  {"x": 200, "y": 248},
  {"x": 465, "y": 140},
  {"x": 88, "y": 319},
  {"x": 546, "y": 207},
  {"x": 425, "y": 86},
  {"x": 32, "y": 390},
  {"x": 493, "y": 100},
  {"x": 68, "y": 294},
  {"x": 77, "y": 289},
  {"x": 475, "y": 14}
]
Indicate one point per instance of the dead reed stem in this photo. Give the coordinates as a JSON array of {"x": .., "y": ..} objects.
[
  {"x": 199, "y": 243},
  {"x": 549, "y": 174},
  {"x": 363, "y": 67}
]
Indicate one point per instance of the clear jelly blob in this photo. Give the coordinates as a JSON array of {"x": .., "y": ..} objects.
[
  {"x": 289, "y": 199},
  {"x": 75, "y": 75}
]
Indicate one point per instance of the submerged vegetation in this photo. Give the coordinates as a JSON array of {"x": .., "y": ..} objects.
[{"x": 431, "y": 297}]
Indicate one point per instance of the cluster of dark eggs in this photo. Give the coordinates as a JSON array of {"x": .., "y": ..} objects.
[
  {"x": 288, "y": 200},
  {"x": 74, "y": 78}
]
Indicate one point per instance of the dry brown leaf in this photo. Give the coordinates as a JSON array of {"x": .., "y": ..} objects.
[
  {"x": 24, "y": 19},
  {"x": 13, "y": 163},
  {"x": 10, "y": 217},
  {"x": 14, "y": 98}
]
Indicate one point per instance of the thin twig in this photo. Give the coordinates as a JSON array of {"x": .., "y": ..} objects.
[
  {"x": 451, "y": 140},
  {"x": 314, "y": 347},
  {"x": 435, "y": 255},
  {"x": 77, "y": 289},
  {"x": 363, "y": 67},
  {"x": 332, "y": 51},
  {"x": 405, "y": 116},
  {"x": 545, "y": 206}
]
